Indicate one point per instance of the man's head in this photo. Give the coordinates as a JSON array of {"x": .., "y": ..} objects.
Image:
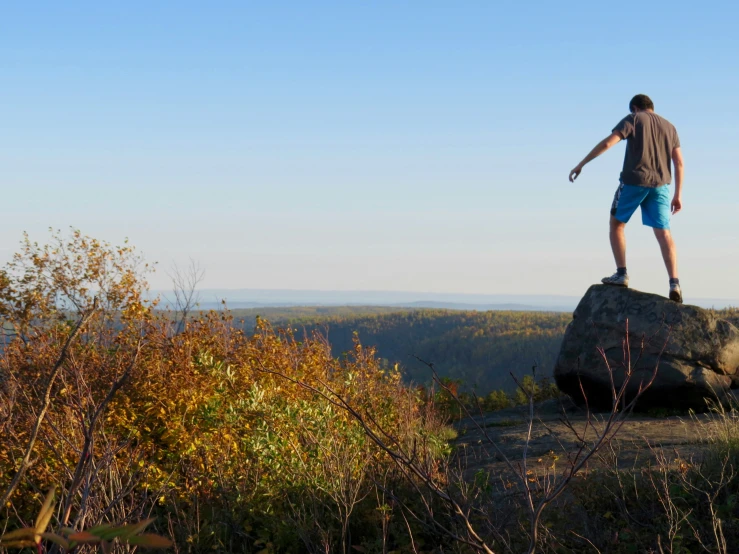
[{"x": 640, "y": 102}]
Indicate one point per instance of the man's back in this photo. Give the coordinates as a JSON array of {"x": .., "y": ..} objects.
[{"x": 650, "y": 141}]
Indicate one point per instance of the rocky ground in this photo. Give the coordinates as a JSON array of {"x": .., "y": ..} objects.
[{"x": 484, "y": 443}]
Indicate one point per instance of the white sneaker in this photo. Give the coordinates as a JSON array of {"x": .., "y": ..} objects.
[
  {"x": 616, "y": 280},
  {"x": 676, "y": 294}
]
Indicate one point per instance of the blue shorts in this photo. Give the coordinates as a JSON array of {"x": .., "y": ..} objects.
[{"x": 654, "y": 202}]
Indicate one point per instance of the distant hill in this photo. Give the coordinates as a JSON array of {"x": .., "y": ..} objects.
[
  {"x": 259, "y": 298},
  {"x": 485, "y": 307},
  {"x": 210, "y": 305}
]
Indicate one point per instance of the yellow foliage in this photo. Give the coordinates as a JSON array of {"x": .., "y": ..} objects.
[{"x": 209, "y": 416}]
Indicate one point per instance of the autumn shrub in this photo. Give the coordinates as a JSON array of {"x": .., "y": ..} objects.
[
  {"x": 74, "y": 326},
  {"x": 497, "y": 400},
  {"x": 541, "y": 390},
  {"x": 103, "y": 400},
  {"x": 250, "y": 441}
]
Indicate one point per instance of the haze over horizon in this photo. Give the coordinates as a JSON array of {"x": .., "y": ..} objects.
[
  {"x": 415, "y": 147},
  {"x": 247, "y": 298}
]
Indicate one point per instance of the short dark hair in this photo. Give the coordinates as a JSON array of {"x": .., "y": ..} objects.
[{"x": 642, "y": 102}]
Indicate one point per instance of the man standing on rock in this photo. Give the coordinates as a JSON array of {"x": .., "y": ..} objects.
[{"x": 651, "y": 143}]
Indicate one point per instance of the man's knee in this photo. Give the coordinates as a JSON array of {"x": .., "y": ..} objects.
[
  {"x": 664, "y": 237},
  {"x": 616, "y": 224},
  {"x": 662, "y": 234}
]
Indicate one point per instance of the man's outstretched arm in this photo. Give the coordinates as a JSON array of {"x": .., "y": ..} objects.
[
  {"x": 677, "y": 199},
  {"x": 601, "y": 147}
]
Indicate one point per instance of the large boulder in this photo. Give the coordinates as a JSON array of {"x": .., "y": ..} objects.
[{"x": 697, "y": 353}]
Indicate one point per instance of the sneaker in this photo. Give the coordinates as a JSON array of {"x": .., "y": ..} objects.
[
  {"x": 676, "y": 294},
  {"x": 616, "y": 280}
]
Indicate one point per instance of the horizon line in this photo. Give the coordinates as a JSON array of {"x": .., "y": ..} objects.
[{"x": 410, "y": 292}]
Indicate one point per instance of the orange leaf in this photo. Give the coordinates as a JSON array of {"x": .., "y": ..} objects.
[
  {"x": 83, "y": 537},
  {"x": 149, "y": 541}
]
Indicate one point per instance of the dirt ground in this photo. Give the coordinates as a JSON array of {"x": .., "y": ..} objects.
[{"x": 483, "y": 444}]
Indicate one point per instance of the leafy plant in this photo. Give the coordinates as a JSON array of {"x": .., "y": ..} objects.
[{"x": 68, "y": 539}]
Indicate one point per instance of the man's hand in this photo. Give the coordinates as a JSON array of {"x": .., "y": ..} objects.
[
  {"x": 676, "y": 205},
  {"x": 601, "y": 147}
]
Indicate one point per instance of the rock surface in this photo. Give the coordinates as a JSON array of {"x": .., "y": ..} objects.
[{"x": 699, "y": 352}]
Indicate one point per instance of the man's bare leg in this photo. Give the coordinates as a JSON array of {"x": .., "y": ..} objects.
[
  {"x": 618, "y": 241},
  {"x": 669, "y": 252}
]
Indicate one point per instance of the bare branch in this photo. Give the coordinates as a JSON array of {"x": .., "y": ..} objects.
[{"x": 185, "y": 282}]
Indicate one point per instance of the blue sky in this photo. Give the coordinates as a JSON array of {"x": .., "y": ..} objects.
[{"x": 419, "y": 146}]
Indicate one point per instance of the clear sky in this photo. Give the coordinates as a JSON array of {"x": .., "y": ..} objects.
[{"x": 383, "y": 145}]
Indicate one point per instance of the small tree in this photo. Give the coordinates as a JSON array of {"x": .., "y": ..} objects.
[
  {"x": 497, "y": 400},
  {"x": 527, "y": 388}
]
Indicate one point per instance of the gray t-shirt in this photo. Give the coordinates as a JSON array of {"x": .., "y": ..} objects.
[{"x": 650, "y": 140}]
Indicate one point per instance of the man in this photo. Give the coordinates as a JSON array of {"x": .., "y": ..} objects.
[{"x": 651, "y": 142}]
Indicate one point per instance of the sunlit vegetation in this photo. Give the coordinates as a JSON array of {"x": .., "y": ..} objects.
[
  {"x": 102, "y": 400},
  {"x": 455, "y": 403}
]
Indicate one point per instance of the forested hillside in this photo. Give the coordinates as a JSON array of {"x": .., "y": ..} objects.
[{"x": 479, "y": 348}]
